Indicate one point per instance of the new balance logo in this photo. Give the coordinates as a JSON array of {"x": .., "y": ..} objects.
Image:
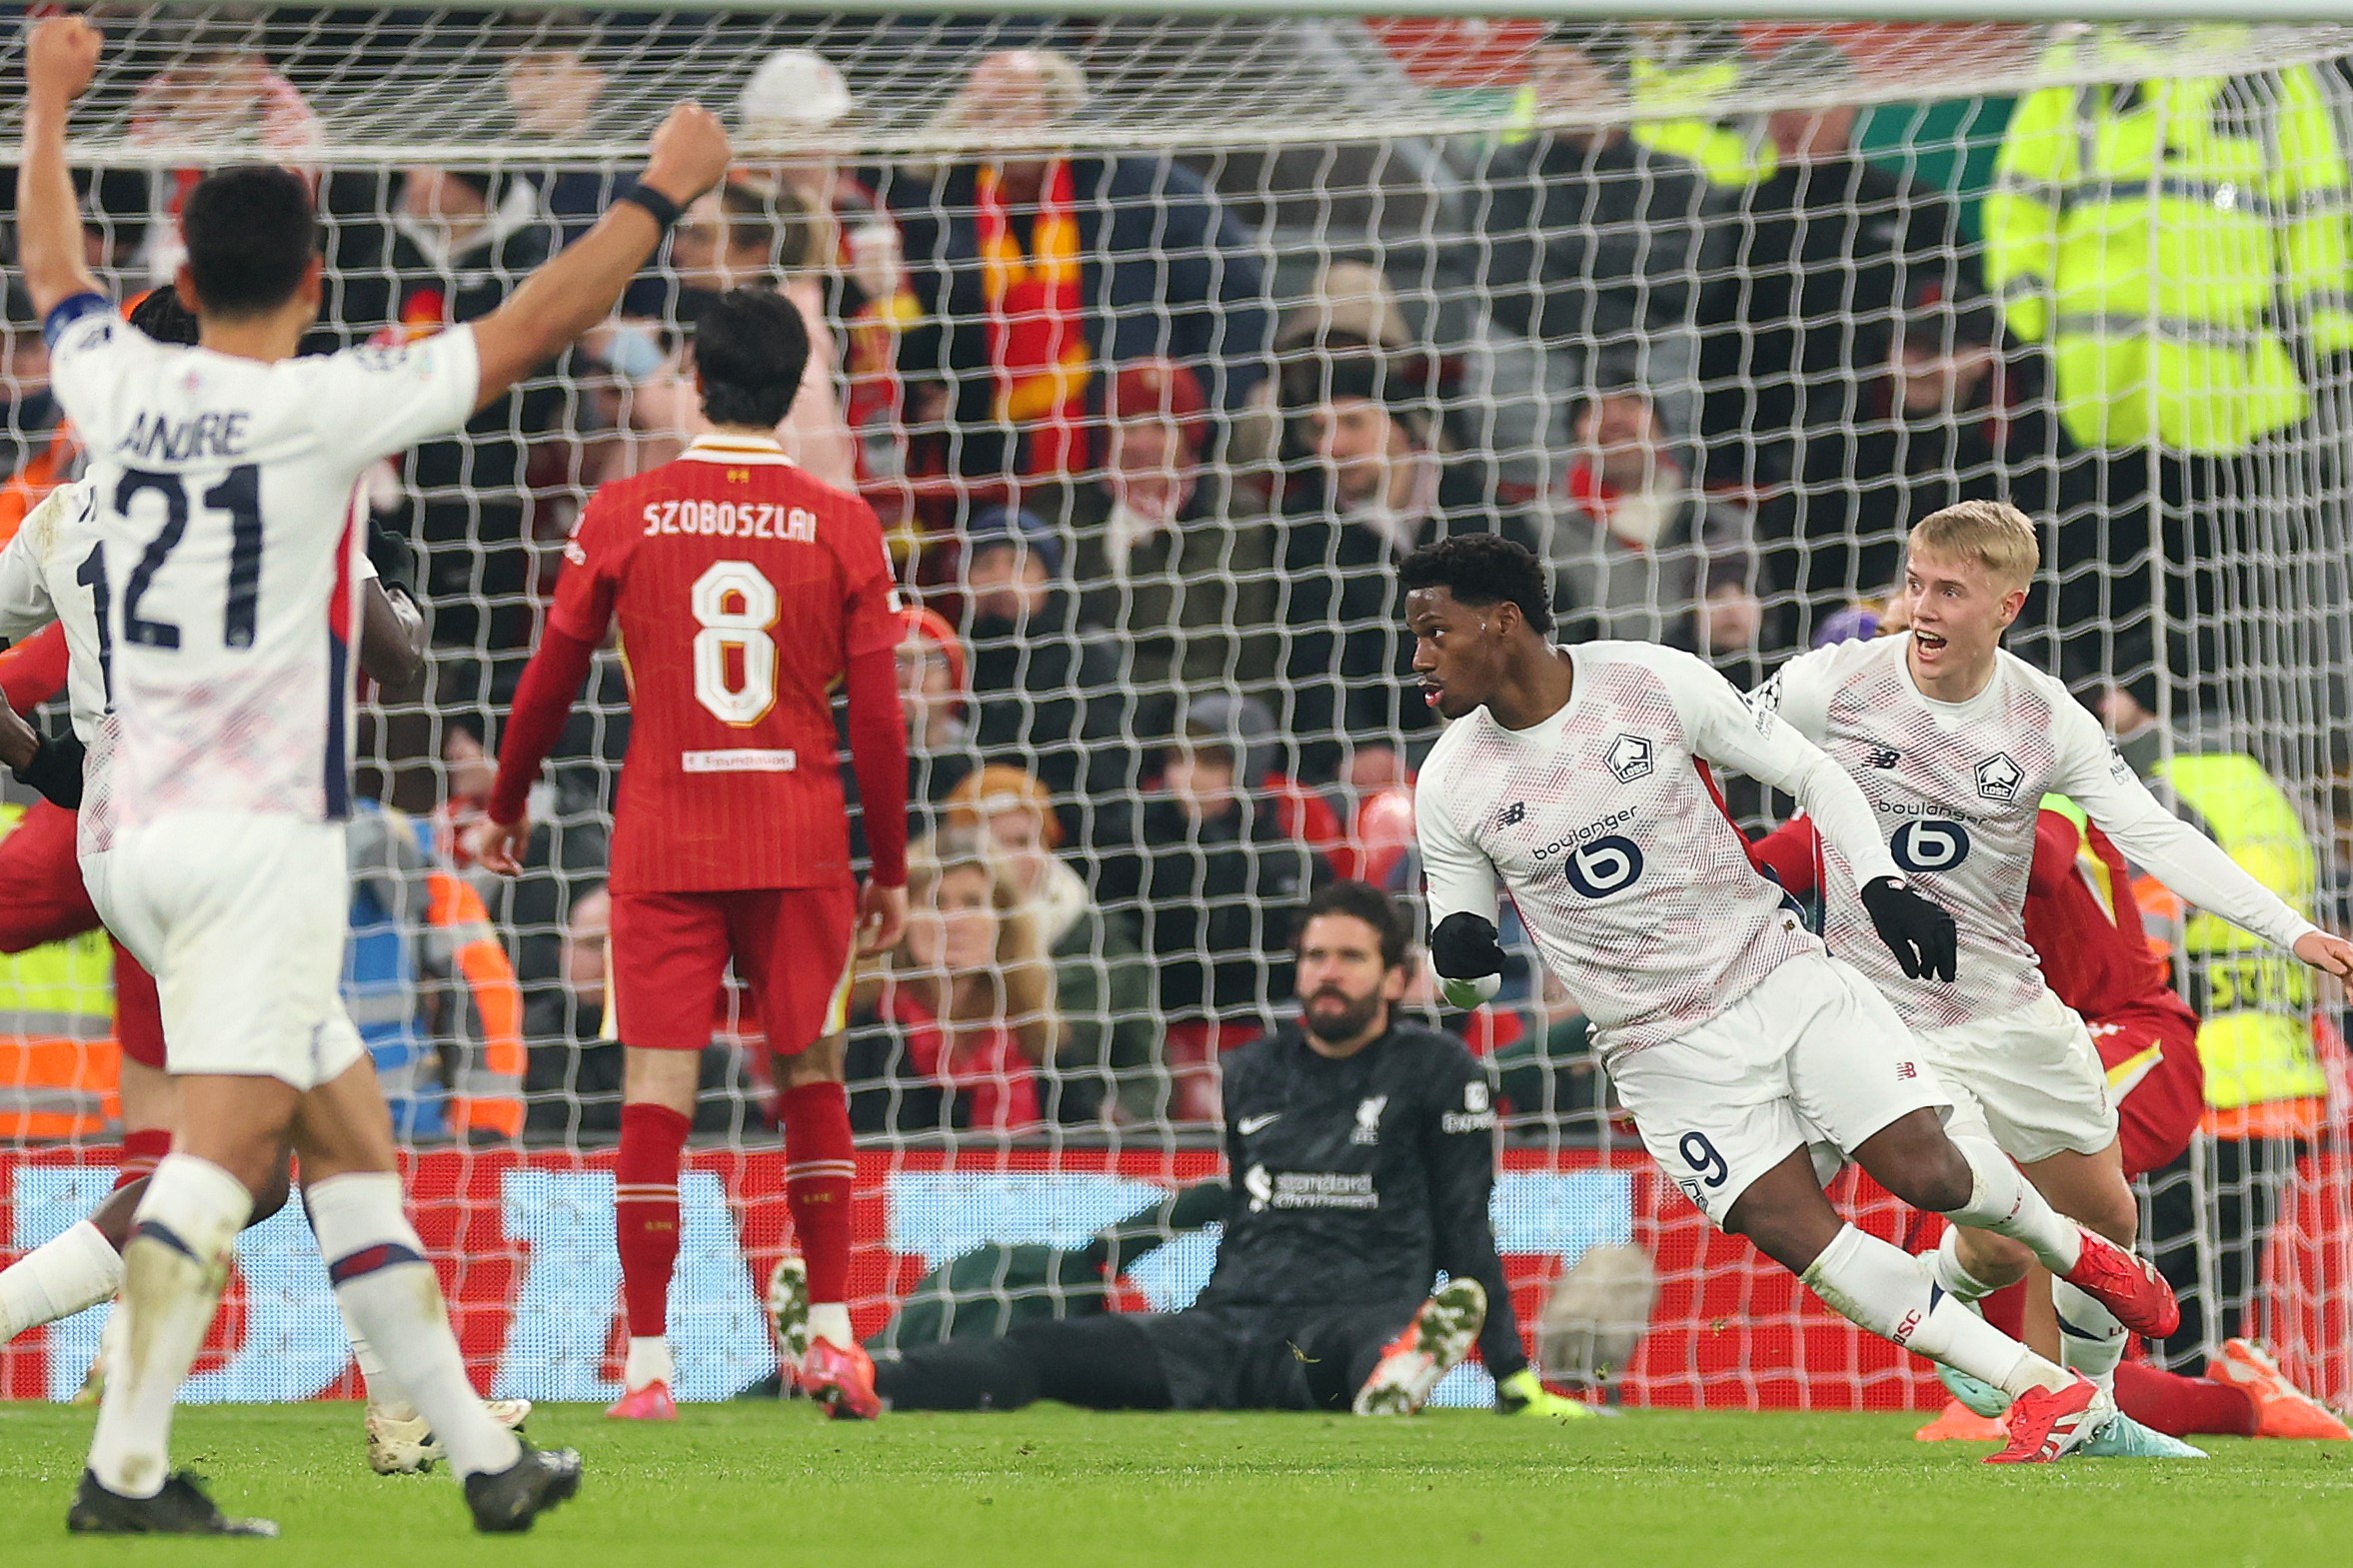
[
  {"x": 1905, "y": 1072},
  {"x": 1513, "y": 815},
  {"x": 1883, "y": 757}
]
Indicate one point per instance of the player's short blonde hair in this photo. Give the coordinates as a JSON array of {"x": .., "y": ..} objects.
[{"x": 1994, "y": 534}]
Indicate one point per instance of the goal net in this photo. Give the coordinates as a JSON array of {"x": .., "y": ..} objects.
[{"x": 1156, "y": 339}]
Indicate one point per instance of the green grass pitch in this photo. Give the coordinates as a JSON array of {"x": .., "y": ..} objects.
[{"x": 776, "y": 1485}]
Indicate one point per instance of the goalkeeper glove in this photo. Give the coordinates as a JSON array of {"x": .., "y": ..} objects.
[
  {"x": 1915, "y": 929},
  {"x": 1468, "y": 957},
  {"x": 1523, "y": 1393}
]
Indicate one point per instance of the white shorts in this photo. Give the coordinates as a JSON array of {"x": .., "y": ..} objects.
[
  {"x": 242, "y": 920},
  {"x": 1814, "y": 1057},
  {"x": 2029, "y": 1081}
]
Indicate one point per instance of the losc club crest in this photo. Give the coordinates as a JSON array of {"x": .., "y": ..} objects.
[
  {"x": 1998, "y": 777},
  {"x": 1630, "y": 758}
]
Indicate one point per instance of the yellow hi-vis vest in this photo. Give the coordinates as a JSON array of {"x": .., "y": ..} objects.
[
  {"x": 1726, "y": 152},
  {"x": 2155, "y": 246},
  {"x": 58, "y": 1061},
  {"x": 2256, "y": 1003}
]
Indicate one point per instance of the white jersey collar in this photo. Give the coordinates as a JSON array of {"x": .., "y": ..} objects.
[{"x": 758, "y": 450}]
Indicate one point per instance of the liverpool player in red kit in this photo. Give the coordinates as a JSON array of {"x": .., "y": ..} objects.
[{"x": 746, "y": 590}]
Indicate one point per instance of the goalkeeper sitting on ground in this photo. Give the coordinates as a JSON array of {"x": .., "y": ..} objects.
[{"x": 1361, "y": 1152}]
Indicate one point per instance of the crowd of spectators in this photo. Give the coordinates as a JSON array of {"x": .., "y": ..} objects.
[{"x": 1147, "y": 486}]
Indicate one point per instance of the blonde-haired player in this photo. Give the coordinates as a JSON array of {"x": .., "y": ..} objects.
[{"x": 1955, "y": 743}]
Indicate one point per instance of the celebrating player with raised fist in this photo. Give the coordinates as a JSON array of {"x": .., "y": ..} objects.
[{"x": 222, "y": 579}]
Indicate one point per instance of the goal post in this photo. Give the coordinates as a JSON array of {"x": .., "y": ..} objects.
[{"x": 1704, "y": 304}]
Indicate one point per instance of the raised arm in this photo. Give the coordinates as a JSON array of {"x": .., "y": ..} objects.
[
  {"x": 582, "y": 283},
  {"x": 61, "y": 57}
]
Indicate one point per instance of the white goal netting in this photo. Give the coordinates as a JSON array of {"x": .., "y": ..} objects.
[{"x": 1214, "y": 318}]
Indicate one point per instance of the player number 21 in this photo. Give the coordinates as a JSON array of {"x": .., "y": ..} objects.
[{"x": 735, "y": 607}]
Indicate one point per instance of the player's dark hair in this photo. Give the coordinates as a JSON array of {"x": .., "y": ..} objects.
[
  {"x": 161, "y": 316},
  {"x": 251, "y": 231},
  {"x": 1483, "y": 569},
  {"x": 1364, "y": 902},
  {"x": 750, "y": 349}
]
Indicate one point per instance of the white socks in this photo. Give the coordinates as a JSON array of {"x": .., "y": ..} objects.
[
  {"x": 2091, "y": 1341},
  {"x": 649, "y": 1362},
  {"x": 829, "y": 1321},
  {"x": 1944, "y": 1268},
  {"x": 1877, "y": 1285},
  {"x": 58, "y": 1279},
  {"x": 389, "y": 1298},
  {"x": 382, "y": 1394},
  {"x": 2003, "y": 1201},
  {"x": 173, "y": 1269}
]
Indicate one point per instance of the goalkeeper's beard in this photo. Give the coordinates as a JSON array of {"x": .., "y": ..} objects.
[{"x": 1344, "y": 1024}]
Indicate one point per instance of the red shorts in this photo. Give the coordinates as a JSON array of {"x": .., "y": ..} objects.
[
  {"x": 790, "y": 946},
  {"x": 2158, "y": 1083},
  {"x": 43, "y": 900}
]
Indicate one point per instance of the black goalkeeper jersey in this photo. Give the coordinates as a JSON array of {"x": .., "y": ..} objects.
[{"x": 1355, "y": 1182}]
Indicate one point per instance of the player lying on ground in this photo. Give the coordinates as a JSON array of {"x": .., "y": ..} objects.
[
  {"x": 1577, "y": 777},
  {"x": 745, "y": 591},
  {"x": 1361, "y": 1154},
  {"x": 1954, "y": 742},
  {"x": 43, "y": 899},
  {"x": 225, "y": 476}
]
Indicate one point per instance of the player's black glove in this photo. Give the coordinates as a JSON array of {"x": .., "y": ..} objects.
[
  {"x": 1919, "y": 933},
  {"x": 56, "y": 769},
  {"x": 1465, "y": 947},
  {"x": 1470, "y": 960},
  {"x": 394, "y": 558}
]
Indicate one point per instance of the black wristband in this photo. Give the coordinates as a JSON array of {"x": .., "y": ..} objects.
[{"x": 661, "y": 208}]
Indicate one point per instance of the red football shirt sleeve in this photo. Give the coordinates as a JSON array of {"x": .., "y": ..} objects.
[
  {"x": 1792, "y": 853},
  {"x": 33, "y": 671},
  {"x": 870, "y": 617},
  {"x": 877, "y": 754},
  {"x": 593, "y": 560},
  {"x": 543, "y": 702}
]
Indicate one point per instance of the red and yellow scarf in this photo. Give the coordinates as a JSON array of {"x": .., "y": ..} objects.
[{"x": 1037, "y": 326}]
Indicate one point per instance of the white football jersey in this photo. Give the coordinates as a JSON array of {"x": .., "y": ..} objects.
[
  {"x": 39, "y": 583},
  {"x": 226, "y": 603},
  {"x": 43, "y": 578},
  {"x": 1617, "y": 850},
  {"x": 1955, "y": 788}
]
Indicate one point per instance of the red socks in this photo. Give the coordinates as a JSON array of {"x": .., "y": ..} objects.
[
  {"x": 820, "y": 1163},
  {"x": 645, "y": 1212},
  {"x": 2179, "y": 1406},
  {"x": 2006, "y": 1309},
  {"x": 142, "y": 1147}
]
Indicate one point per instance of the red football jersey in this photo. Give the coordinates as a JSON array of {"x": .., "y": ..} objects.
[
  {"x": 743, "y": 588},
  {"x": 2085, "y": 925}
]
